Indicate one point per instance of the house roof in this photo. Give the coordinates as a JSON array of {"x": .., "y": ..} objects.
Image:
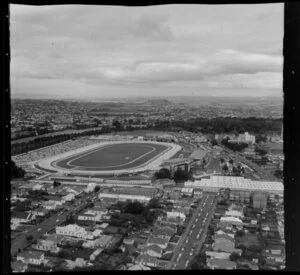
[
  {"x": 155, "y": 248},
  {"x": 78, "y": 189},
  {"x": 223, "y": 236},
  {"x": 164, "y": 231},
  {"x": 53, "y": 198},
  {"x": 222, "y": 264},
  {"x": 31, "y": 254},
  {"x": 20, "y": 215},
  {"x": 146, "y": 259},
  {"x": 231, "y": 220},
  {"x": 111, "y": 229},
  {"x": 41, "y": 209},
  {"x": 18, "y": 266},
  {"x": 139, "y": 267},
  {"x": 54, "y": 238},
  {"x": 154, "y": 240}
]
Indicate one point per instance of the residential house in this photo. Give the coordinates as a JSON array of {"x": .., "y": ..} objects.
[
  {"x": 153, "y": 251},
  {"x": 104, "y": 241},
  {"x": 162, "y": 243},
  {"x": 97, "y": 252},
  {"x": 198, "y": 194},
  {"x": 79, "y": 262},
  {"x": 32, "y": 186},
  {"x": 141, "y": 243},
  {"x": 90, "y": 216},
  {"x": 98, "y": 210},
  {"x": 128, "y": 241},
  {"x": 40, "y": 212},
  {"x": 73, "y": 230},
  {"x": 220, "y": 264},
  {"x": 175, "y": 215},
  {"x": 76, "y": 190},
  {"x": 139, "y": 267},
  {"x": 69, "y": 197},
  {"x": 57, "y": 199},
  {"x": 164, "y": 233},
  {"x": 234, "y": 213},
  {"x": 18, "y": 267},
  {"x": 32, "y": 257},
  {"x": 218, "y": 255},
  {"x": 111, "y": 230},
  {"x": 22, "y": 217},
  {"x": 187, "y": 191},
  {"x": 57, "y": 239},
  {"x": 146, "y": 260},
  {"x": 46, "y": 245},
  {"x": 230, "y": 221},
  {"x": 50, "y": 205},
  {"x": 225, "y": 243},
  {"x": 90, "y": 187},
  {"x": 162, "y": 224}
]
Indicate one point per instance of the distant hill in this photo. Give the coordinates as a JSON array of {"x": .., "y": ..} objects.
[{"x": 157, "y": 102}]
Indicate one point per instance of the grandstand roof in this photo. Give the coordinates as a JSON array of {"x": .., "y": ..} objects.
[{"x": 239, "y": 183}]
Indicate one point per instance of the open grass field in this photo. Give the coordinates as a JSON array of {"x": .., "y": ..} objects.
[
  {"x": 113, "y": 157},
  {"x": 273, "y": 147}
]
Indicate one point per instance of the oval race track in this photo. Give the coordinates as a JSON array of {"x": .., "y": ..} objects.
[{"x": 114, "y": 157}]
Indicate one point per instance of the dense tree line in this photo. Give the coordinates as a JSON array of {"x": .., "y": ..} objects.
[
  {"x": 203, "y": 125},
  {"x": 15, "y": 171},
  {"x": 179, "y": 175},
  {"x": 135, "y": 214},
  {"x": 278, "y": 173},
  {"x": 224, "y": 125},
  {"x": 40, "y": 142},
  {"x": 234, "y": 146}
]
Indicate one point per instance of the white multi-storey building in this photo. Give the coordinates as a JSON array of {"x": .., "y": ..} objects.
[{"x": 73, "y": 230}]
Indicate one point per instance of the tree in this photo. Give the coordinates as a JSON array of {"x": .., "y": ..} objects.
[
  {"x": 56, "y": 183},
  {"x": 278, "y": 174},
  {"x": 163, "y": 173},
  {"x": 181, "y": 175},
  {"x": 29, "y": 237},
  {"x": 15, "y": 171},
  {"x": 240, "y": 233},
  {"x": 255, "y": 248},
  {"x": 235, "y": 170},
  {"x": 234, "y": 256},
  {"x": 225, "y": 167},
  {"x": 154, "y": 203},
  {"x": 231, "y": 161},
  {"x": 214, "y": 142},
  {"x": 199, "y": 262},
  {"x": 260, "y": 151},
  {"x": 134, "y": 207}
]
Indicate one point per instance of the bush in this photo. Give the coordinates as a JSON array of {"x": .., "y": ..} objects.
[
  {"x": 181, "y": 175},
  {"x": 234, "y": 256},
  {"x": 97, "y": 189},
  {"x": 29, "y": 237},
  {"x": 163, "y": 173}
]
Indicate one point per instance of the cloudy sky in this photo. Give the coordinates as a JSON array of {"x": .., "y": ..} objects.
[{"x": 77, "y": 51}]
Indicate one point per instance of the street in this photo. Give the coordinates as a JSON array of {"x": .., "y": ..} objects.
[{"x": 194, "y": 234}]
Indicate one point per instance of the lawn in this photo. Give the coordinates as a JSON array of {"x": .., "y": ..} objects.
[
  {"x": 113, "y": 157},
  {"x": 247, "y": 240}
]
